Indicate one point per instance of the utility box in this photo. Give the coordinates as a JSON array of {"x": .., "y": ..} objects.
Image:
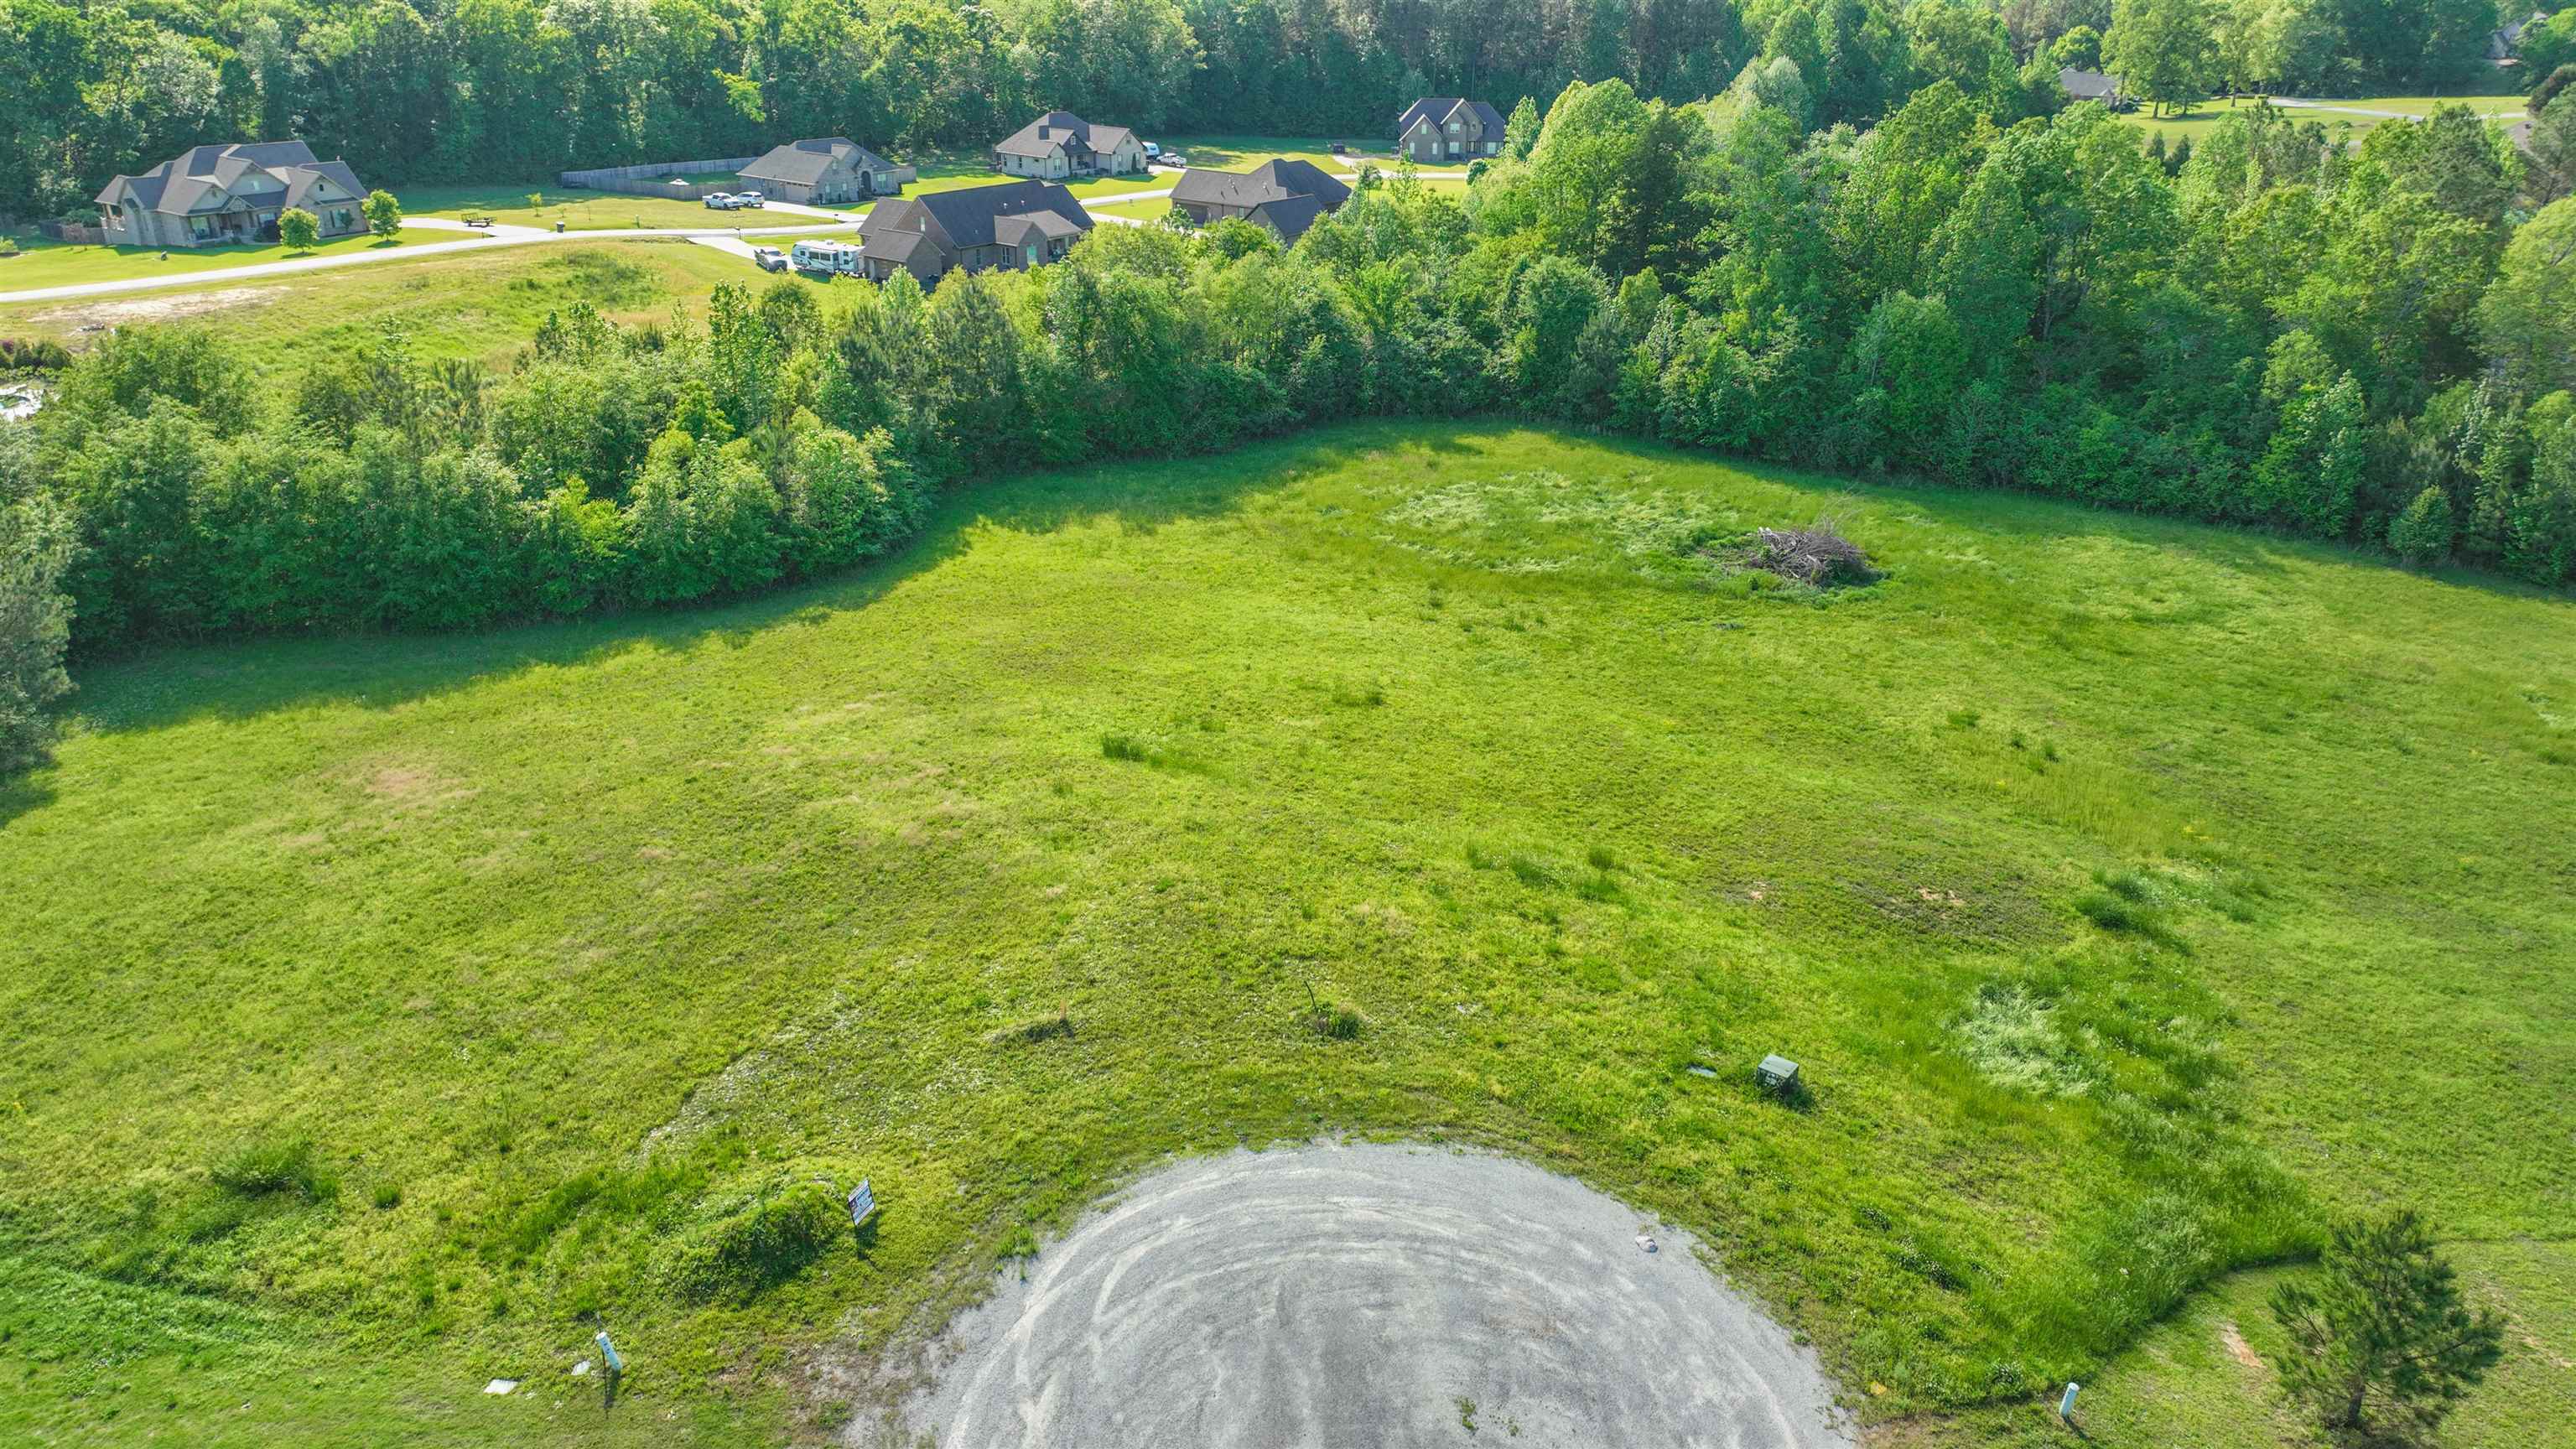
[{"x": 1777, "y": 1074}]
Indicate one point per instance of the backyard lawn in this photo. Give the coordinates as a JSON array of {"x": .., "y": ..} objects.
[
  {"x": 388, "y": 1011},
  {"x": 43, "y": 262}
]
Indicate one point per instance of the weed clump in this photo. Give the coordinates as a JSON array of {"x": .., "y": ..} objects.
[
  {"x": 752, "y": 1238},
  {"x": 275, "y": 1166}
]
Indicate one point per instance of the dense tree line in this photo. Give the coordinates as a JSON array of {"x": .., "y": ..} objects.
[
  {"x": 2372, "y": 344},
  {"x": 413, "y": 91}
]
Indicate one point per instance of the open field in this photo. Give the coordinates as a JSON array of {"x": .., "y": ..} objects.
[
  {"x": 454, "y": 305},
  {"x": 2133, "y": 892},
  {"x": 2200, "y": 120},
  {"x": 577, "y": 210},
  {"x": 47, "y": 263}
]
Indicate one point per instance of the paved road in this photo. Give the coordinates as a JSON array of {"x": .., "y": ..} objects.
[{"x": 1368, "y": 1295}]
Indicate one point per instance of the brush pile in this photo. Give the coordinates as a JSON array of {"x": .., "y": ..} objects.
[{"x": 1819, "y": 556}]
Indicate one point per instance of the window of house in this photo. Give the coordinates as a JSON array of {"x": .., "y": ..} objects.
[
  {"x": 1453, "y": 128},
  {"x": 340, "y": 219}
]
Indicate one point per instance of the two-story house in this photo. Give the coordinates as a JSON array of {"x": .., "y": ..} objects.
[
  {"x": 1060, "y": 145},
  {"x": 1014, "y": 225},
  {"x": 1446, "y": 129},
  {"x": 212, "y": 195}
]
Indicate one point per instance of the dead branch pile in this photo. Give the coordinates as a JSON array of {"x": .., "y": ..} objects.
[{"x": 1819, "y": 556}]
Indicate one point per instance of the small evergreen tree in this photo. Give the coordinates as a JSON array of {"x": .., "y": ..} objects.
[
  {"x": 2422, "y": 534},
  {"x": 2381, "y": 1336},
  {"x": 299, "y": 229}
]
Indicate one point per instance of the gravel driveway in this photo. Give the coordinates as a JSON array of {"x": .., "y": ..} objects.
[{"x": 1338, "y": 1296}]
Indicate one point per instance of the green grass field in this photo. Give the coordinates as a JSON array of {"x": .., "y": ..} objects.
[
  {"x": 42, "y": 262},
  {"x": 2198, "y": 121},
  {"x": 455, "y": 305},
  {"x": 2133, "y": 892}
]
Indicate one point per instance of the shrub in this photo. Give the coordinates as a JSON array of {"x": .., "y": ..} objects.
[
  {"x": 752, "y": 1238},
  {"x": 2422, "y": 534},
  {"x": 33, "y": 354},
  {"x": 301, "y": 230}
]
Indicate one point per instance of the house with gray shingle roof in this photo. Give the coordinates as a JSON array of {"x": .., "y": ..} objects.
[
  {"x": 1061, "y": 144},
  {"x": 824, "y": 171},
  {"x": 1015, "y": 225},
  {"x": 212, "y": 195},
  {"x": 1284, "y": 196},
  {"x": 1446, "y": 128}
]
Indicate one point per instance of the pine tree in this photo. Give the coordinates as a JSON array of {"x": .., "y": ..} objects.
[{"x": 2381, "y": 1334}]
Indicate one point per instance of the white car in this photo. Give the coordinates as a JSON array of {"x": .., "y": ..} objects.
[
  {"x": 752, "y": 199},
  {"x": 769, "y": 259},
  {"x": 721, "y": 201}
]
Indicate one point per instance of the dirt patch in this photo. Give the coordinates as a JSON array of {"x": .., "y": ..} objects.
[
  {"x": 2237, "y": 1348},
  {"x": 92, "y": 316}
]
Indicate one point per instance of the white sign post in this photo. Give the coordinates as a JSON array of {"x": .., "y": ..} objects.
[{"x": 2066, "y": 1405}]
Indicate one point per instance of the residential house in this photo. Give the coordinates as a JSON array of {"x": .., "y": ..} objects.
[
  {"x": 1060, "y": 145},
  {"x": 2091, "y": 85},
  {"x": 1014, "y": 225},
  {"x": 1445, "y": 128},
  {"x": 1283, "y": 195},
  {"x": 2503, "y": 45},
  {"x": 211, "y": 195},
  {"x": 824, "y": 171}
]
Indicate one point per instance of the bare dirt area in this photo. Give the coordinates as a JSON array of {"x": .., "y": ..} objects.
[
  {"x": 1364, "y": 1294},
  {"x": 125, "y": 311}
]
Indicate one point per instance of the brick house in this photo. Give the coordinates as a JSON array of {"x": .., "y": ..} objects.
[
  {"x": 1060, "y": 145},
  {"x": 1014, "y": 226}
]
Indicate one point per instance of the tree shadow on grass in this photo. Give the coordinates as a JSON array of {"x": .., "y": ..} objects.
[{"x": 243, "y": 679}]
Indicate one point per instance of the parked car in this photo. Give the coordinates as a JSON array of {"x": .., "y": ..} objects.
[
  {"x": 721, "y": 201},
  {"x": 752, "y": 199},
  {"x": 1174, "y": 158},
  {"x": 769, "y": 259},
  {"x": 1341, "y": 150}
]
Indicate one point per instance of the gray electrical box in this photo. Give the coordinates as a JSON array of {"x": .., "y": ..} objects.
[{"x": 1777, "y": 1074}]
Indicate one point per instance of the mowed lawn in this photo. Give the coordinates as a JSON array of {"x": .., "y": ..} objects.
[
  {"x": 43, "y": 262},
  {"x": 2198, "y": 121},
  {"x": 453, "y": 305},
  {"x": 2133, "y": 893}
]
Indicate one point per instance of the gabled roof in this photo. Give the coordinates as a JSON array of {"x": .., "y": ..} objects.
[
  {"x": 1057, "y": 128},
  {"x": 2088, "y": 85},
  {"x": 803, "y": 163},
  {"x": 204, "y": 178},
  {"x": 1438, "y": 109},
  {"x": 1271, "y": 181},
  {"x": 968, "y": 215},
  {"x": 1289, "y": 216}
]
